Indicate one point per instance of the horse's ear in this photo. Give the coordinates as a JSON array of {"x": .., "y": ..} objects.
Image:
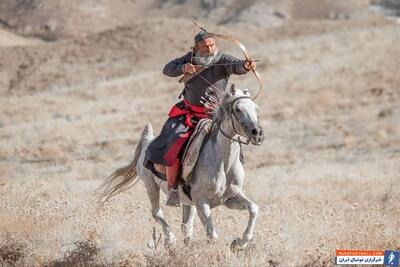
[{"x": 232, "y": 90}]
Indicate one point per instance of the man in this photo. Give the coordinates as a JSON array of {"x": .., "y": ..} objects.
[{"x": 206, "y": 71}]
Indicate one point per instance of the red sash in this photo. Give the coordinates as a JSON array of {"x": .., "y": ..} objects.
[{"x": 189, "y": 111}]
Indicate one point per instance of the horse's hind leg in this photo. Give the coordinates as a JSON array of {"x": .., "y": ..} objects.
[
  {"x": 241, "y": 202},
  {"x": 153, "y": 191},
  {"x": 188, "y": 213}
]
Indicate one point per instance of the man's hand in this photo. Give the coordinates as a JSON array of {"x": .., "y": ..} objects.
[
  {"x": 249, "y": 65},
  {"x": 189, "y": 68}
]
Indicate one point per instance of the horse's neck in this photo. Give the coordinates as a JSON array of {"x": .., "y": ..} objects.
[{"x": 228, "y": 148}]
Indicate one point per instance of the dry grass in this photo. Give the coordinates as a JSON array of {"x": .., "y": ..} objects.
[{"x": 196, "y": 253}]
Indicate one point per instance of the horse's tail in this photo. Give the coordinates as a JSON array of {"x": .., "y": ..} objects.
[{"x": 125, "y": 177}]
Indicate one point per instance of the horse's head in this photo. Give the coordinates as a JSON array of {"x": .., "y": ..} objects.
[{"x": 239, "y": 107}]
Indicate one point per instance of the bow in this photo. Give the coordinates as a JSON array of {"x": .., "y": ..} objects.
[{"x": 241, "y": 46}]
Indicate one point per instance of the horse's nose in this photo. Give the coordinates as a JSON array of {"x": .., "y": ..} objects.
[
  {"x": 257, "y": 132},
  {"x": 257, "y": 135}
]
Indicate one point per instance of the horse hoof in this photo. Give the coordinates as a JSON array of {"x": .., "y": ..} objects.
[
  {"x": 170, "y": 241},
  {"x": 187, "y": 240},
  {"x": 236, "y": 245},
  {"x": 212, "y": 238}
]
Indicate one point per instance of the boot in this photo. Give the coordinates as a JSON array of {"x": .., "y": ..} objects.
[
  {"x": 173, "y": 198},
  {"x": 172, "y": 173}
]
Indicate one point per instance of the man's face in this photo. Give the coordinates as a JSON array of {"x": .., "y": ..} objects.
[{"x": 206, "y": 47}]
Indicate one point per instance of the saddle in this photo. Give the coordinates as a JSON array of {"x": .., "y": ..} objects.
[
  {"x": 191, "y": 151},
  {"x": 190, "y": 155},
  {"x": 194, "y": 147}
]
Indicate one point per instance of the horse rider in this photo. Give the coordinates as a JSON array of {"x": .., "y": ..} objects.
[{"x": 206, "y": 72}]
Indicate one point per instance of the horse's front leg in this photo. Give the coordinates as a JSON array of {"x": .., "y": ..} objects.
[
  {"x": 204, "y": 212},
  {"x": 241, "y": 202}
]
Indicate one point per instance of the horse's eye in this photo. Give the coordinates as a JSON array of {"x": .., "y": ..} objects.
[{"x": 237, "y": 110}]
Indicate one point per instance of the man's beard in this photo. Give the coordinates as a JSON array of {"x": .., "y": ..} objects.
[{"x": 205, "y": 60}]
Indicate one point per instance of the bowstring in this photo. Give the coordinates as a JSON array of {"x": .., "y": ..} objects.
[{"x": 211, "y": 104}]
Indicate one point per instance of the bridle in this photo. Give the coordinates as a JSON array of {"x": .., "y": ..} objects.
[{"x": 232, "y": 118}]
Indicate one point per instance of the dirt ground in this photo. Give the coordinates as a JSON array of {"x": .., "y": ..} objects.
[{"x": 76, "y": 92}]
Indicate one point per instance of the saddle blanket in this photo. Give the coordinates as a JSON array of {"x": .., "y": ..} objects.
[{"x": 194, "y": 146}]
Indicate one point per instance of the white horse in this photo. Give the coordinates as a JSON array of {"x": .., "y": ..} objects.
[{"x": 217, "y": 177}]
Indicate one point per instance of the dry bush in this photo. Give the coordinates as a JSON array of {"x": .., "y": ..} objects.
[
  {"x": 11, "y": 250},
  {"x": 84, "y": 254}
]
